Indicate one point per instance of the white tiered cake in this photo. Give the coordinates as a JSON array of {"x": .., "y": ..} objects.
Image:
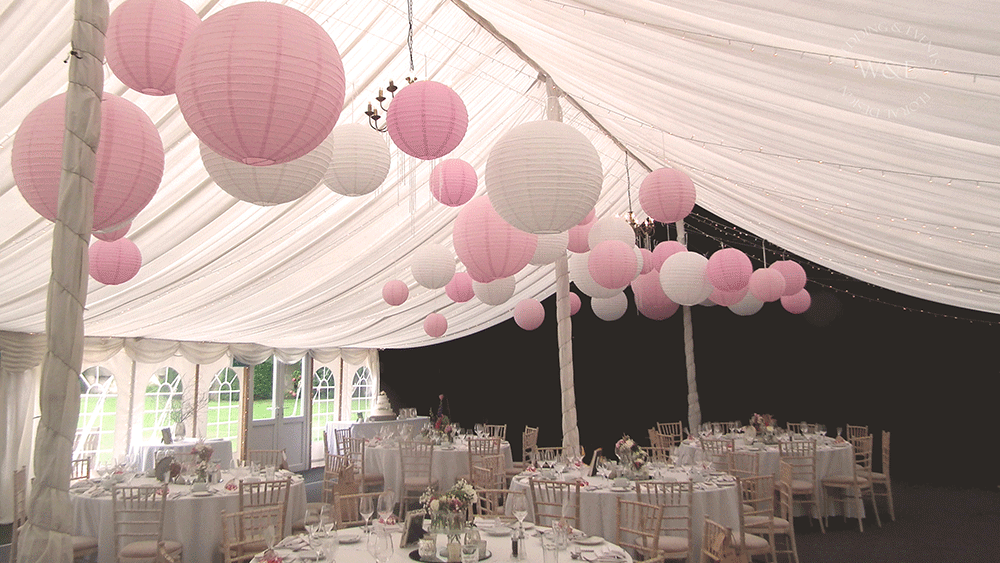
[{"x": 383, "y": 409}]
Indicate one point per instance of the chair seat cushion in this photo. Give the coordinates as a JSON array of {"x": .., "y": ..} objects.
[
  {"x": 84, "y": 543},
  {"x": 764, "y": 522},
  {"x": 147, "y": 548},
  {"x": 800, "y": 487},
  {"x": 674, "y": 544},
  {"x": 374, "y": 478},
  {"x": 754, "y": 543},
  {"x": 845, "y": 481},
  {"x": 876, "y": 476}
]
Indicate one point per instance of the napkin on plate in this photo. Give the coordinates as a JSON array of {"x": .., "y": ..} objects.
[{"x": 604, "y": 553}]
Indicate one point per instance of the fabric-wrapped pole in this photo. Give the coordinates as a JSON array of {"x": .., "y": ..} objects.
[{"x": 694, "y": 404}]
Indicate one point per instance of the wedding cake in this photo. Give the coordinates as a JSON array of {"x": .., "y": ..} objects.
[{"x": 383, "y": 410}]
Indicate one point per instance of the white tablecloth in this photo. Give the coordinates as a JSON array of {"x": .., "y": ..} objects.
[
  {"x": 193, "y": 521},
  {"x": 370, "y": 430},
  {"x": 144, "y": 455},
  {"x": 449, "y": 464}
]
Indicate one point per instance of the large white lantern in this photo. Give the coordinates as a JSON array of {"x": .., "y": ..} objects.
[
  {"x": 683, "y": 279},
  {"x": 496, "y": 292},
  {"x": 433, "y": 266},
  {"x": 359, "y": 160},
  {"x": 268, "y": 185},
  {"x": 610, "y": 309}
]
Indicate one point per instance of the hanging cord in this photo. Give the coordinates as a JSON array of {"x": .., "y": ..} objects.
[
  {"x": 628, "y": 186},
  {"x": 409, "y": 33}
]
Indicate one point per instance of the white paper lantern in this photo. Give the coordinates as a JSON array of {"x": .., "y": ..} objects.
[
  {"x": 268, "y": 185},
  {"x": 749, "y": 305},
  {"x": 359, "y": 161},
  {"x": 682, "y": 277},
  {"x": 579, "y": 273},
  {"x": 550, "y": 248},
  {"x": 611, "y": 308},
  {"x": 543, "y": 177},
  {"x": 433, "y": 266},
  {"x": 496, "y": 292},
  {"x": 610, "y": 228}
]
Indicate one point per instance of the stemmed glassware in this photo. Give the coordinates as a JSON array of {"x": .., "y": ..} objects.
[
  {"x": 519, "y": 507},
  {"x": 480, "y": 429},
  {"x": 270, "y": 537},
  {"x": 380, "y": 545},
  {"x": 386, "y": 502},
  {"x": 366, "y": 509}
]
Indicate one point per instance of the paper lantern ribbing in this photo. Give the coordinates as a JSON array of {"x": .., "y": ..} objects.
[
  {"x": 529, "y": 314},
  {"x": 747, "y": 306},
  {"x": 766, "y": 284},
  {"x": 543, "y": 176},
  {"x": 550, "y": 248},
  {"x": 579, "y": 238},
  {"x": 667, "y": 195},
  {"x": 433, "y": 266},
  {"x": 459, "y": 289},
  {"x": 395, "y": 292},
  {"x": 129, "y": 160},
  {"x": 260, "y": 83},
  {"x": 268, "y": 185},
  {"x": 647, "y": 261},
  {"x": 426, "y": 119},
  {"x": 359, "y": 160},
  {"x": 114, "y": 234},
  {"x": 682, "y": 277},
  {"x": 610, "y": 309},
  {"x": 579, "y": 273},
  {"x": 650, "y": 300},
  {"x": 116, "y": 262},
  {"x": 453, "y": 182},
  {"x": 665, "y": 250},
  {"x": 574, "y": 303},
  {"x": 727, "y": 298},
  {"x": 496, "y": 292},
  {"x": 729, "y": 269},
  {"x": 794, "y": 274},
  {"x": 612, "y": 264},
  {"x": 610, "y": 228},
  {"x": 435, "y": 325},
  {"x": 488, "y": 246},
  {"x": 798, "y": 303},
  {"x": 144, "y": 41}
]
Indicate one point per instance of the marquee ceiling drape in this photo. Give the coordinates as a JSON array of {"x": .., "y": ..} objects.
[{"x": 862, "y": 136}]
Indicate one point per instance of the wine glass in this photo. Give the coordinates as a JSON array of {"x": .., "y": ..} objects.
[
  {"x": 312, "y": 521},
  {"x": 381, "y": 545},
  {"x": 366, "y": 509},
  {"x": 270, "y": 536},
  {"x": 386, "y": 502},
  {"x": 840, "y": 430},
  {"x": 480, "y": 429},
  {"x": 519, "y": 507}
]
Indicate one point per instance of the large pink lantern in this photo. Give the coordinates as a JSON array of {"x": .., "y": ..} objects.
[
  {"x": 268, "y": 185},
  {"x": 453, "y": 182},
  {"x": 116, "y": 262},
  {"x": 459, "y": 289},
  {"x": 650, "y": 300},
  {"x": 260, "y": 83},
  {"x": 359, "y": 160},
  {"x": 144, "y": 41},
  {"x": 435, "y": 325},
  {"x": 729, "y": 269},
  {"x": 798, "y": 303},
  {"x": 488, "y": 246},
  {"x": 794, "y": 274},
  {"x": 574, "y": 303},
  {"x": 579, "y": 273},
  {"x": 129, "y": 160},
  {"x": 727, "y": 298},
  {"x": 395, "y": 292},
  {"x": 433, "y": 266},
  {"x": 665, "y": 250},
  {"x": 113, "y": 234},
  {"x": 646, "y": 260},
  {"x": 426, "y": 119},
  {"x": 667, "y": 195},
  {"x": 682, "y": 277},
  {"x": 767, "y": 284},
  {"x": 613, "y": 264},
  {"x": 579, "y": 237},
  {"x": 529, "y": 314}
]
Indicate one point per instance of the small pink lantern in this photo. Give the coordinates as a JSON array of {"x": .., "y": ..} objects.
[
  {"x": 395, "y": 292},
  {"x": 260, "y": 83},
  {"x": 453, "y": 182},
  {"x": 728, "y": 298},
  {"x": 665, "y": 250},
  {"x": 579, "y": 273},
  {"x": 435, "y": 325},
  {"x": 667, "y": 195},
  {"x": 579, "y": 238},
  {"x": 488, "y": 246},
  {"x": 683, "y": 279},
  {"x": 612, "y": 264},
  {"x": 529, "y": 314},
  {"x": 647, "y": 261},
  {"x": 650, "y": 300},
  {"x": 798, "y": 303},
  {"x": 729, "y": 269},
  {"x": 794, "y": 274},
  {"x": 611, "y": 308},
  {"x": 433, "y": 266},
  {"x": 144, "y": 41},
  {"x": 766, "y": 284},
  {"x": 574, "y": 303},
  {"x": 116, "y": 262},
  {"x": 359, "y": 160},
  {"x": 459, "y": 289},
  {"x": 496, "y": 292},
  {"x": 114, "y": 234},
  {"x": 426, "y": 119},
  {"x": 129, "y": 160},
  {"x": 747, "y": 306}
]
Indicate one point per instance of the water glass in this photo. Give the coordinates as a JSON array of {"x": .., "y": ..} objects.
[
  {"x": 550, "y": 547},
  {"x": 470, "y": 553}
]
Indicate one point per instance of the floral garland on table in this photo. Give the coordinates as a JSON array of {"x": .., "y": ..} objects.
[
  {"x": 763, "y": 422},
  {"x": 631, "y": 455},
  {"x": 203, "y": 453},
  {"x": 444, "y": 507}
]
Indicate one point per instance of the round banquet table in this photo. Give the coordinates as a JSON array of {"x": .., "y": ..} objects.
[
  {"x": 144, "y": 455},
  {"x": 192, "y": 520},
  {"x": 449, "y": 463},
  {"x": 719, "y": 501}
]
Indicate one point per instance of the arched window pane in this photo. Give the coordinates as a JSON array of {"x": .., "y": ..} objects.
[
  {"x": 164, "y": 406},
  {"x": 324, "y": 403},
  {"x": 363, "y": 392},
  {"x": 224, "y": 405},
  {"x": 95, "y": 435}
]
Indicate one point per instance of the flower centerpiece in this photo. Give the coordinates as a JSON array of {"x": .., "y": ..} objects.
[
  {"x": 449, "y": 510},
  {"x": 203, "y": 453},
  {"x": 441, "y": 427},
  {"x": 632, "y": 457},
  {"x": 763, "y": 425}
]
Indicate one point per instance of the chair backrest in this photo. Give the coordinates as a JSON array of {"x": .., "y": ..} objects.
[
  {"x": 346, "y": 508},
  {"x": 794, "y": 427},
  {"x": 555, "y": 500},
  {"x": 718, "y": 450},
  {"x": 355, "y": 449},
  {"x": 88, "y": 444},
  {"x": 268, "y": 458},
  {"x": 79, "y": 469},
  {"x": 339, "y": 476},
  {"x": 496, "y": 431},
  {"x": 416, "y": 460},
  {"x": 744, "y": 464},
  {"x": 246, "y": 531},
  {"x": 266, "y": 493},
  {"x": 487, "y": 472},
  {"x": 138, "y": 513},
  {"x": 731, "y": 425},
  {"x": 785, "y": 477},
  {"x": 801, "y": 455},
  {"x": 547, "y": 454},
  {"x": 482, "y": 447},
  {"x": 342, "y": 436},
  {"x": 885, "y": 454},
  {"x": 529, "y": 441},
  {"x": 594, "y": 457},
  {"x": 717, "y": 544},
  {"x": 20, "y": 507},
  {"x": 856, "y": 431},
  {"x": 639, "y": 528},
  {"x": 758, "y": 498},
  {"x": 675, "y": 498},
  {"x": 326, "y": 444},
  {"x": 491, "y": 503},
  {"x": 674, "y": 430},
  {"x": 863, "y": 446}
]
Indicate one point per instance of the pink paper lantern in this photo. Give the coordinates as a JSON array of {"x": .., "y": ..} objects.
[
  {"x": 260, "y": 83},
  {"x": 729, "y": 269},
  {"x": 579, "y": 273},
  {"x": 453, "y": 182},
  {"x": 647, "y": 261},
  {"x": 426, "y": 119},
  {"x": 529, "y": 314},
  {"x": 459, "y": 289},
  {"x": 766, "y": 284},
  {"x": 114, "y": 234},
  {"x": 116, "y": 262},
  {"x": 798, "y": 303},
  {"x": 667, "y": 195},
  {"x": 129, "y": 160},
  {"x": 359, "y": 160},
  {"x": 488, "y": 246},
  {"x": 611, "y": 308},
  {"x": 433, "y": 266},
  {"x": 794, "y": 274},
  {"x": 612, "y": 264},
  {"x": 589, "y": 218},
  {"x": 650, "y": 300},
  {"x": 496, "y": 292},
  {"x": 574, "y": 303},
  {"x": 683, "y": 280},
  {"x": 728, "y": 298},
  {"x": 144, "y": 42},
  {"x": 435, "y": 325},
  {"x": 665, "y": 250},
  {"x": 395, "y": 292},
  {"x": 579, "y": 238}
]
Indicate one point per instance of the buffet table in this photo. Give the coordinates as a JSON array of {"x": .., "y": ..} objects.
[
  {"x": 191, "y": 519},
  {"x": 143, "y": 456}
]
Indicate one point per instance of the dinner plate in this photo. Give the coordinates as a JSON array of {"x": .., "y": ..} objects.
[
  {"x": 496, "y": 530},
  {"x": 348, "y": 537},
  {"x": 621, "y": 489},
  {"x": 588, "y": 540},
  {"x": 202, "y": 494}
]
